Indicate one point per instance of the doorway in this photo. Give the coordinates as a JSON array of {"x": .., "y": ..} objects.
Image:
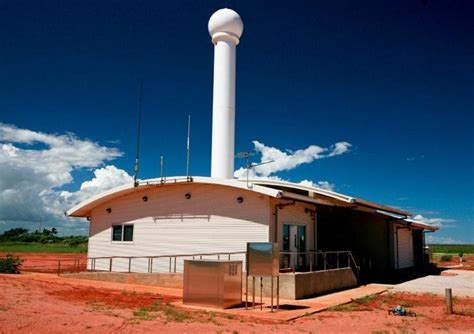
[{"x": 294, "y": 242}]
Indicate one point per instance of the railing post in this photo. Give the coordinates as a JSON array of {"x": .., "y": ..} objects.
[
  {"x": 349, "y": 259},
  {"x": 59, "y": 267},
  {"x": 151, "y": 266},
  {"x": 310, "y": 261},
  {"x": 110, "y": 264},
  {"x": 129, "y": 264},
  {"x": 218, "y": 257},
  {"x": 175, "y": 264},
  {"x": 337, "y": 260},
  {"x": 324, "y": 260},
  {"x": 229, "y": 256},
  {"x": 170, "y": 264},
  {"x": 294, "y": 261}
]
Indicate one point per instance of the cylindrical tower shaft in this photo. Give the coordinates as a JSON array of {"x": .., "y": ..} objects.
[
  {"x": 225, "y": 27},
  {"x": 223, "y": 110}
]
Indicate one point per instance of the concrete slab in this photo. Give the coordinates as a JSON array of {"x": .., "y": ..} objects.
[
  {"x": 293, "y": 309},
  {"x": 460, "y": 281}
]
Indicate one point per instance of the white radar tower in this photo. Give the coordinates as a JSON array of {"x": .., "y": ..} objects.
[{"x": 225, "y": 27}]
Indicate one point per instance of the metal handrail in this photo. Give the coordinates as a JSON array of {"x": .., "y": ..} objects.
[
  {"x": 311, "y": 261},
  {"x": 172, "y": 264}
]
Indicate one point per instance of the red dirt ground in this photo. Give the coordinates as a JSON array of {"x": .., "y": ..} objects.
[
  {"x": 29, "y": 305},
  {"x": 467, "y": 264},
  {"x": 48, "y": 262}
]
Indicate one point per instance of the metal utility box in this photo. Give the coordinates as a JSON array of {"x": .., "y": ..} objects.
[
  {"x": 263, "y": 259},
  {"x": 212, "y": 283}
]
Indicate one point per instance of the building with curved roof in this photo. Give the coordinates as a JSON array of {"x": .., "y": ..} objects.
[{"x": 147, "y": 225}]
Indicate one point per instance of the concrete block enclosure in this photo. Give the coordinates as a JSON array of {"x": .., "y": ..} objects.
[{"x": 327, "y": 240}]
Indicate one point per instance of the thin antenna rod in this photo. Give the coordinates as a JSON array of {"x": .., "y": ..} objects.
[
  {"x": 162, "y": 164},
  {"x": 249, "y": 165},
  {"x": 139, "y": 123},
  {"x": 188, "y": 147}
]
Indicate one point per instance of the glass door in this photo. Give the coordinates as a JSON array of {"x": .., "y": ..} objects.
[{"x": 294, "y": 242}]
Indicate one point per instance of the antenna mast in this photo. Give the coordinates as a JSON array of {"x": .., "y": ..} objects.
[
  {"x": 139, "y": 123},
  {"x": 188, "y": 148},
  {"x": 249, "y": 166},
  {"x": 162, "y": 164}
]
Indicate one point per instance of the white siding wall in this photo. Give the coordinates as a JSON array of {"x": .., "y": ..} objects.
[
  {"x": 211, "y": 221},
  {"x": 405, "y": 248},
  {"x": 294, "y": 215}
]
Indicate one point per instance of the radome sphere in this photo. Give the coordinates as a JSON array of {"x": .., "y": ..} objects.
[{"x": 226, "y": 20}]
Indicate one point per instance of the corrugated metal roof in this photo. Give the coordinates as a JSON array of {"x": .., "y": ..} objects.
[
  {"x": 316, "y": 190},
  {"x": 419, "y": 224},
  {"x": 330, "y": 195},
  {"x": 408, "y": 221}
]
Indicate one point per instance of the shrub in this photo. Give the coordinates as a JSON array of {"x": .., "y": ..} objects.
[
  {"x": 74, "y": 243},
  {"x": 10, "y": 264},
  {"x": 446, "y": 258}
]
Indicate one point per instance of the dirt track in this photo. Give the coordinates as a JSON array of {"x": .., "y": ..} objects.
[{"x": 30, "y": 305}]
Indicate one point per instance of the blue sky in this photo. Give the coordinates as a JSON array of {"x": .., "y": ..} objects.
[{"x": 393, "y": 79}]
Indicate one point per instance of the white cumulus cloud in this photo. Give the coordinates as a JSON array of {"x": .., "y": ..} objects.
[
  {"x": 105, "y": 178},
  {"x": 436, "y": 221},
  {"x": 35, "y": 166},
  {"x": 288, "y": 160},
  {"x": 320, "y": 184}
]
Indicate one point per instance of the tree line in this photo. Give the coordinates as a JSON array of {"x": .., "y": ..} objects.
[{"x": 20, "y": 234}]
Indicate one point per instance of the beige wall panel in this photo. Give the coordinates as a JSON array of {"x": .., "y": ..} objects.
[
  {"x": 211, "y": 221},
  {"x": 294, "y": 215}
]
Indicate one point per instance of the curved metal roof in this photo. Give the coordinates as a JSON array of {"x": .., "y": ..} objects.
[
  {"x": 275, "y": 189},
  {"x": 83, "y": 209}
]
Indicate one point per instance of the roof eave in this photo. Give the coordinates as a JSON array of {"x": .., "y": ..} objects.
[{"x": 84, "y": 208}]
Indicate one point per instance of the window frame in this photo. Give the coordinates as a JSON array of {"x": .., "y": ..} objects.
[{"x": 122, "y": 233}]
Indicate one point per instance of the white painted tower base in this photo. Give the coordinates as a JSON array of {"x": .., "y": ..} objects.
[{"x": 225, "y": 27}]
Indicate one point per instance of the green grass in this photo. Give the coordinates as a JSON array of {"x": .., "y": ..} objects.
[
  {"x": 351, "y": 307},
  {"x": 168, "y": 312},
  {"x": 23, "y": 247},
  {"x": 446, "y": 258},
  {"x": 453, "y": 249},
  {"x": 172, "y": 314},
  {"x": 358, "y": 304},
  {"x": 147, "y": 313},
  {"x": 365, "y": 300}
]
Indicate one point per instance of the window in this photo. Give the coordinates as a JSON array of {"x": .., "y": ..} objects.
[
  {"x": 128, "y": 233},
  {"x": 122, "y": 232}
]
